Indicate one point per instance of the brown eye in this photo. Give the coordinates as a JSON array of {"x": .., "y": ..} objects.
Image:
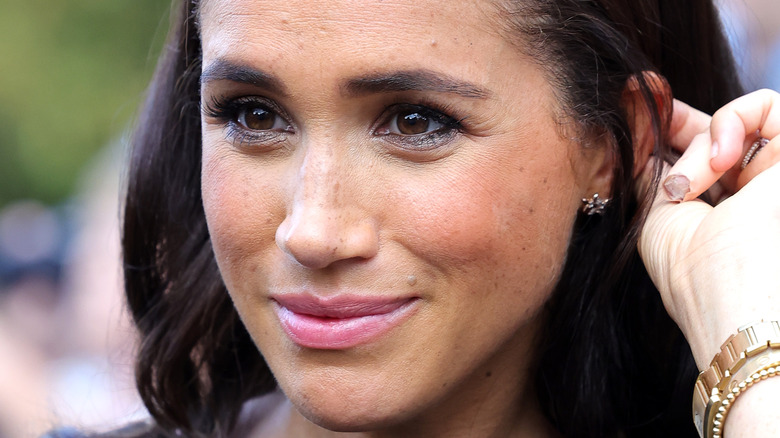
[
  {"x": 413, "y": 123},
  {"x": 258, "y": 119},
  {"x": 417, "y": 127}
]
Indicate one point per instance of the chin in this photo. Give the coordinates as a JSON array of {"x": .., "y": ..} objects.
[
  {"x": 354, "y": 409},
  {"x": 351, "y": 418}
]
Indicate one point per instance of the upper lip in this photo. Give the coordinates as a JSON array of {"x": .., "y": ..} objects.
[{"x": 340, "y": 306}]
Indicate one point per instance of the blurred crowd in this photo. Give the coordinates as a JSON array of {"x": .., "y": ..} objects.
[{"x": 66, "y": 344}]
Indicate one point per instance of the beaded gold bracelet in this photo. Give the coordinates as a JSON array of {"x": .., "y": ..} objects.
[
  {"x": 738, "y": 388},
  {"x": 754, "y": 349}
]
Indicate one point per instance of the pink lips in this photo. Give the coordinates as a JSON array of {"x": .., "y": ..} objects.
[{"x": 341, "y": 321}]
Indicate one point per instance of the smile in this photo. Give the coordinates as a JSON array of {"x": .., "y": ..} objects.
[{"x": 341, "y": 321}]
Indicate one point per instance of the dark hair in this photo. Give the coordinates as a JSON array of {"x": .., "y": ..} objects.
[{"x": 611, "y": 360}]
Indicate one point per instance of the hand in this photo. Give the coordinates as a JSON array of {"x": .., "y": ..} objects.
[{"x": 718, "y": 268}]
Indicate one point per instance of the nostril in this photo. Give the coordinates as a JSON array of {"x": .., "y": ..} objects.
[{"x": 318, "y": 240}]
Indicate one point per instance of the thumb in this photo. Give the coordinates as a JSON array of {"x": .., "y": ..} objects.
[{"x": 667, "y": 230}]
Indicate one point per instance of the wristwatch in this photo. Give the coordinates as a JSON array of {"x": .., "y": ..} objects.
[{"x": 753, "y": 348}]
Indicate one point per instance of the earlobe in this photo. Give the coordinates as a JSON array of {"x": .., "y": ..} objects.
[{"x": 643, "y": 95}]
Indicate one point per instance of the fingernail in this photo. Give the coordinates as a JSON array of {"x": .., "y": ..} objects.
[
  {"x": 677, "y": 186},
  {"x": 715, "y": 149}
]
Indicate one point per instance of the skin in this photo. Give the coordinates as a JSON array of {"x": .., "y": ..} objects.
[{"x": 474, "y": 224}]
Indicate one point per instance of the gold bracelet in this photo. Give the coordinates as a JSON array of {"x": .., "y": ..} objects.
[
  {"x": 754, "y": 348},
  {"x": 736, "y": 390}
]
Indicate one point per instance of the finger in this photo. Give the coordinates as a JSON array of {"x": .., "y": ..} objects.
[
  {"x": 731, "y": 131},
  {"x": 687, "y": 123},
  {"x": 661, "y": 236},
  {"x": 741, "y": 119},
  {"x": 767, "y": 157},
  {"x": 692, "y": 174},
  {"x": 689, "y": 133}
]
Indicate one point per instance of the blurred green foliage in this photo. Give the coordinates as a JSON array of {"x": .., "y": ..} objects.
[{"x": 72, "y": 74}]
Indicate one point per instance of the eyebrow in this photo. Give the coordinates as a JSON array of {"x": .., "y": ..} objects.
[
  {"x": 224, "y": 70},
  {"x": 397, "y": 81},
  {"x": 413, "y": 80}
]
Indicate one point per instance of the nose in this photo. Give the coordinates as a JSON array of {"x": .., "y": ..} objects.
[{"x": 327, "y": 221}]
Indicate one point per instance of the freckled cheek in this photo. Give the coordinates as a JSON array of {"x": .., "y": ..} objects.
[
  {"x": 457, "y": 221},
  {"x": 517, "y": 228}
]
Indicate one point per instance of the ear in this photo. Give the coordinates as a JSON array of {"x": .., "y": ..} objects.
[
  {"x": 601, "y": 170},
  {"x": 638, "y": 109},
  {"x": 639, "y": 94}
]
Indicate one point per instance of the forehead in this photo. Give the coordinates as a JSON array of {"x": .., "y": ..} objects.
[{"x": 386, "y": 27}]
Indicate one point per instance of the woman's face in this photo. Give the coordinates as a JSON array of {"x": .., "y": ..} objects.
[{"x": 390, "y": 194}]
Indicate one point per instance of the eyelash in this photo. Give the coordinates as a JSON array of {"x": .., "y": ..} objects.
[
  {"x": 228, "y": 111},
  {"x": 449, "y": 126}
]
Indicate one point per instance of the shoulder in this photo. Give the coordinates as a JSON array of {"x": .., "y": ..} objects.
[
  {"x": 261, "y": 416},
  {"x": 64, "y": 432},
  {"x": 133, "y": 430}
]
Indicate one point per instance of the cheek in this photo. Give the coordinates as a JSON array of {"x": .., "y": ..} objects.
[
  {"x": 498, "y": 223},
  {"x": 240, "y": 213}
]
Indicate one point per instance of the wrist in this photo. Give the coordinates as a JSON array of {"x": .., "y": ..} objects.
[{"x": 708, "y": 339}]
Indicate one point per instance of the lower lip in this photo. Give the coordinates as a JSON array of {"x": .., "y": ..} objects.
[{"x": 340, "y": 333}]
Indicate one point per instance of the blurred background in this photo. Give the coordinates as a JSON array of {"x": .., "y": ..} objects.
[{"x": 72, "y": 74}]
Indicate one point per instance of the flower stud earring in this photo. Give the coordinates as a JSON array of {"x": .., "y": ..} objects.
[{"x": 594, "y": 205}]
